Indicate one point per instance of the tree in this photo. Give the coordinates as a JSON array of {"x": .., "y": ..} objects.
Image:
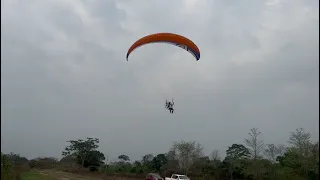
[
  {"x": 236, "y": 154},
  {"x": 256, "y": 146},
  {"x": 123, "y": 158},
  {"x": 215, "y": 155},
  {"x": 290, "y": 160},
  {"x": 172, "y": 161},
  {"x": 68, "y": 159},
  {"x": 94, "y": 158},
  {"x": 81, "y": 148},
  {"x": 6, "y": 167},
  {"x": 136, "y": 163},
  {"x": 281, "y": 149},
  {"x": 147, "y": 158},
  {"x": 146, "y": 161},
  {"x": 202, "y": 167},
  {"x": 300, "y": 140},
  {"x": 158, "y": 162},
  {"x": 254, "y": 143},
  {"x": 16, "y": 159},
  {"x": 273, "y": 151},
  {"x": 186, "y": 153},
  {"x": 137, "y": 167},
  {"x": 313, "y": 159},
  {"x": 298, "y": 161},
  {"x": 237, "y": 151},
  {"x": 302, "y": 158}
]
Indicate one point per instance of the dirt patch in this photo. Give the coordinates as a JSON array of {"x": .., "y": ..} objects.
[{"x": 44, "y": 173}]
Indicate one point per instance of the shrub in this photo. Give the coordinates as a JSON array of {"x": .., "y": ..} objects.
[{"x": 43, "y": 163}]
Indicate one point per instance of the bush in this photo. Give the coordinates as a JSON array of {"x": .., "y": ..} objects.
[
  {"x": 6, "y": 168},
  {"x": 93, "y": 168},
  {"x": 43, "y": 163},
  {"x": 18, "y": 170},
  {"x": 16, "y": 159},
  {"x": 68, "y": 167}
]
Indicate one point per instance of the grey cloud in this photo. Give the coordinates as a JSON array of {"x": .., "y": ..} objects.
[{"x": 64, "y": 74}]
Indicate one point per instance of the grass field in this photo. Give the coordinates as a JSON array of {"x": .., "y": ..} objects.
[
  {"x": 59, "y": 175},
  {"x": 34, "y": 175}
]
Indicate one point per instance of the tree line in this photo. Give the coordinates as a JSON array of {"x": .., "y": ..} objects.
[{"x": 251, "y": 159}]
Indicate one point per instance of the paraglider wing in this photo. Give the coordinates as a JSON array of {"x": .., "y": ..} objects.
[{"x": 168, "y": 38}]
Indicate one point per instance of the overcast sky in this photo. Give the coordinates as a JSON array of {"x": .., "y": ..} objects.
[{"x": 64, "y": 74}]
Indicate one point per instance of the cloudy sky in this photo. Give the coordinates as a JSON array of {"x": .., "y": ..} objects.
[{"x": 65, "y": 76}]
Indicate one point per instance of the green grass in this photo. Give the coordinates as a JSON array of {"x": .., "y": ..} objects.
[{"x": 35, "y": 175}]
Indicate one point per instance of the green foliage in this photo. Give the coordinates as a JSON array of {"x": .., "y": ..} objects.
[
  {"x": 12, "y": 166},
  {"x": 83, "y": 150},
  {"x": 43, "y": 162},
  {"x": 186, "y": 154},
  {"x": 16, "y": 159},
  {"x": 68, "y": 159},
  {"x": 94, "y": 158},
  {"x": 158, "y": 163},
  {"x": 273, "y": 151},
  {"x": 123, "y": 158},
  {"x": 300, "y": 161},
  {"x": 35, "y": 175},
  {"x": 240, "y": 163},
  {"x": 237, "y": 151},
  {"x": 6, "y": 167}
]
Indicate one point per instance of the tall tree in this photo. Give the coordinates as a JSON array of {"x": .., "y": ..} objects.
[
  {"x": 6, "y": 167},
  {"x": 94, "y": 158},
  {"x": 236, "y": 153},
  {"x": 300, "y": 140},
  {"x": 186, "y": 153},
  {"x": 301, "y": 144},
  {"x": 159, "y": 162},
  {"x": 314, "y": 158},
  {"x": 254, "y": 143},
  {"x": 16, "y": 159},
  {"x": 124, "y": 158},
  {"x": 172, "y": 161},
  {"x": 256, "y": 147},
  {"x": 215, "y": 156},
  {"x": 146, "y": 161},
  {"x": 273, "y": 151},
  {"x": 81, "y": 148}
]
